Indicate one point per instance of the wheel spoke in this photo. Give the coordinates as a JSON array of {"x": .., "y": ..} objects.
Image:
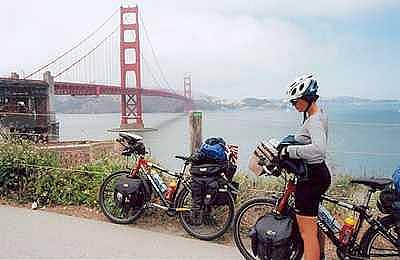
[
  {"x": 215, "y": 220},
  {"x": 381, "y": 247},
  {"x": 246, "y": 217},
  {"x": 118, "y": 209},
  {"x": 109, "y": 190}
]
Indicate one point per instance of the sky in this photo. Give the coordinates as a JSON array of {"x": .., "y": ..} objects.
[{"x": 232, "y": 49}]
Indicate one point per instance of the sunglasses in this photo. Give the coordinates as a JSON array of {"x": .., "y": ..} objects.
[{"x": 293, "y": 102}]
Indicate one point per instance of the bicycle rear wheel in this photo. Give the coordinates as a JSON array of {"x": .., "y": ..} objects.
[
  {"x": 375, "y": 245},
  {"x": 117, "y": 211},
  {"x": 216, "y": 220},
  {"x": 245, "y": 219}
]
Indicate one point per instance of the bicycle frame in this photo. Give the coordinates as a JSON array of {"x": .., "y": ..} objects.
[
  {"x": 146, "y": 166},
  {"x": 363, "y": 215}
]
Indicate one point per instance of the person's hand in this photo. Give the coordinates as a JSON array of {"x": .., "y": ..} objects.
[
  {"x": 284, "y": 154},
  {"x": 262, "y": 161}
]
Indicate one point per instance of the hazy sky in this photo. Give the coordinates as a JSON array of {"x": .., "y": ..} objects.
[{"x": 232, "y": 48}]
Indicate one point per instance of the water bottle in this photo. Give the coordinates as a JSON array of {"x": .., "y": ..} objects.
[
  {"x": 169, "y": 194},
  {"x": 328, "y": 219},
  {"x": 347, "y": 230},
  {"x": 159, "y": 182}
]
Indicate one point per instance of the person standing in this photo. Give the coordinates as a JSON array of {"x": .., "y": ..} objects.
[{"x": 313, "y": 134}]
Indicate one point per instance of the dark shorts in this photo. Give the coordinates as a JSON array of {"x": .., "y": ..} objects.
[{"x": 308, "y": 192}]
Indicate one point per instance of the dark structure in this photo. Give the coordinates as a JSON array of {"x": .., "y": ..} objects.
[{"x": 25, "y": 109}]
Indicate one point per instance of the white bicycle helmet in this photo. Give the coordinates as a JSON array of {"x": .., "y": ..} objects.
[{"x": 303, "y": 86}]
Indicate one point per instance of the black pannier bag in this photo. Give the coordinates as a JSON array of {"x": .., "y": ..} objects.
[
  {"x": 206, "y": 170},
  {"x": 389, "y": 201},
  {"x": 129, "y": 192},
  {"x": 204, "y": 190},
  {"x": 205, "y": 177},
  {"x": 214, "y": 169},
  {"x": 271, "y": 236},
  {"x": 222, "y": 197}
]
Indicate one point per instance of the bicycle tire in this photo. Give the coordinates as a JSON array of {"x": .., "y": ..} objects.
[
  {"x": 370, "y": 235},
  {"x": 114, "y": 219},
  {"x": 296, "y": 254},
  {"x": 183, "y": 218}
]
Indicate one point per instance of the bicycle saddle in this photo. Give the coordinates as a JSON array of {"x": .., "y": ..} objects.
[
  {"x": 372, "y": 182},
  {"x": 185, "y": 158},
  {"x": 131, "y": 138}
]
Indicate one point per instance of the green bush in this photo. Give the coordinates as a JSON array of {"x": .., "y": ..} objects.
[
  {"x": 15, "y": 157},
  {"x": 73, "y": 187},
  {"x": 28, "y": 174}
]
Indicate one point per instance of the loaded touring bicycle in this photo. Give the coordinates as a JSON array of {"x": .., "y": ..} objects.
[
  {"x": 124, "y": 195},
  {"x": 265, "y": 227}
]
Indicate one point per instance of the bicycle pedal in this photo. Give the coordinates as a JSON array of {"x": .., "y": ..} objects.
[
  {"x": 171, "y": 213},
  {"x": 149, "y": 205},
  {"x": 348, "y": 257}
]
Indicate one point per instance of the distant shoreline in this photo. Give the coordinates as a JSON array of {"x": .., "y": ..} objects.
[{"x": 108, "y": 105}]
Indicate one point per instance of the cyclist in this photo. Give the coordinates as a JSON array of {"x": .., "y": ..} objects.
[{"x": 302, "y": 94}]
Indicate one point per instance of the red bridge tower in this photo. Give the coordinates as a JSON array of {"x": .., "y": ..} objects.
[
  {"x": 187, "y": 90},
  {"x": 131, "y": 105}
]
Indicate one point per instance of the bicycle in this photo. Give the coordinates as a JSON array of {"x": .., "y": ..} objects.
[
  {"x": 381, "y": 240},
  {"x": 217, "y": 219}
]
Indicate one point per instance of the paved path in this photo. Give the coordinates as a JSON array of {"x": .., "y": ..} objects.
[{"x": 28, "y": 234}]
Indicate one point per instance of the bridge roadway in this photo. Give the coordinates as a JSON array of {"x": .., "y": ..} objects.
[
  {"x": 28, "y": 234},
  {"x": 83, "y": 89}
]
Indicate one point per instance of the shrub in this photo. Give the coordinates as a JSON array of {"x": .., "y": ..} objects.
[
  {"x": 15, "y": 157},
  {"x": 28, "y": 173}
]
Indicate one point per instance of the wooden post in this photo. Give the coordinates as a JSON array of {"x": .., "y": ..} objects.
[{"x": 195, "y": 125}]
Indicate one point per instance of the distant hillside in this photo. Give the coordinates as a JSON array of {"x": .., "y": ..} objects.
[
  {"x": 108, "y": 104},
  {"x": 345, "y": 99}
]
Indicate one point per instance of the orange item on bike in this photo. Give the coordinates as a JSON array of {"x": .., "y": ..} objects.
[
  {"x": 169, "y": 194},
  {"x": 347, "y": 230}
]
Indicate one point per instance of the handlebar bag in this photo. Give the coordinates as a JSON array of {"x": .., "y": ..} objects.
[{"x": 297, "y": 167}]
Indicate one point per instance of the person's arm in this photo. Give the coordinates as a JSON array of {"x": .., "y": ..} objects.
[{"x": 315, "y": 149}]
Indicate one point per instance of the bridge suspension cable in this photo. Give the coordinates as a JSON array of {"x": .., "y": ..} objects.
[
  {"x": 74, "y": 47},
  {"x": 146, "y": 63},
  {"x": 87, "y": 54},
  {"x": 154, "y": 54}
]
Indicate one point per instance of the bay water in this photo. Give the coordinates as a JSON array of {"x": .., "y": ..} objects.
[{"x": 364, "y": 139}]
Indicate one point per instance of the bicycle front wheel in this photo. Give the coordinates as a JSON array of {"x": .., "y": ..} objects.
[
  {"x": 216, "y": 218},
  {"x": 376, "y": 245},
  {"x": 246, "y": 217},
  {"x": 117, "y": 210}
]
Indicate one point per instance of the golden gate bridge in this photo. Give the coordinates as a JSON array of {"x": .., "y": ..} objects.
[{"x": 93, "y": 73}]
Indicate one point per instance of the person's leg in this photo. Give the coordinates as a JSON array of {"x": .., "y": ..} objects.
[{"x": 309, "y": 232}]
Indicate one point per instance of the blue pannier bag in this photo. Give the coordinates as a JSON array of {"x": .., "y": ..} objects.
[
  {"x": 396, "y": 202},
  {"x": 396, "y": 180},
  {"x": 214, "y": 148}
]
